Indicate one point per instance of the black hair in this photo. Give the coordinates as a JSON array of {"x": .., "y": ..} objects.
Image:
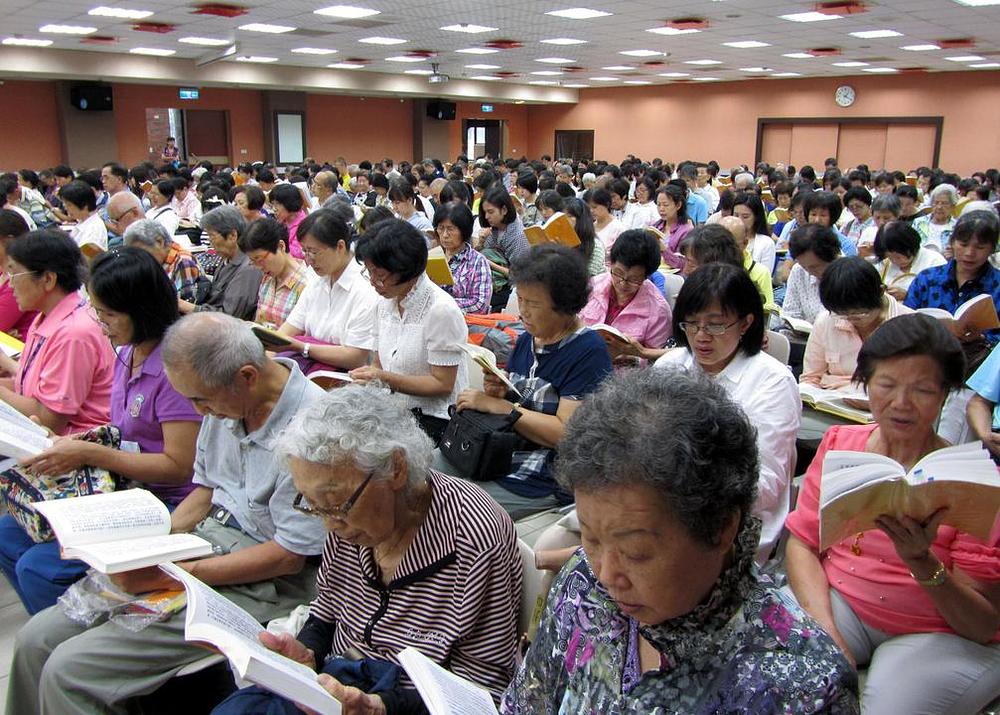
[
  {"x": 7, "y": 186},
  {"x": 565, "y": 190},
  {"x": 824, "y": 200},
  {"x": 50, "y": 251},
  {"x": 858, "y": 193},
  {"x": 12, "y": 224},
  {"x": 180, "y": 183},
  {"x": 265, "y": 176},
  {"x": 527, "y": 181},
  {"x": 678, "y": 195},
  {"x": 712, "y": 243},
  {"x": 93, "y": 178},
  {"x": 455, "y": 190},
  {"x": 62, "y": 171},
  {"x": 584, "y": 225},
  {"x": 910, "y": 335},
  {"x": 808, "y": 174},
  {"x": 884, "y": 177},
  {"x": 620, "y": 187},
  {"x": 983, "y": 227},
  {"x": 375, "y": 216},
  {"x": 637, "y": 247},
  {"x": 850, "y": 283},
  {"x": 129, "y": 280},
  {"x": 898, "y": 237},
  {"x": 401, "y": 191},
  {"x": 821, "y": 240},
  {"x": 497, "y": 196},
  {"x": 379, "y": 181},
  {"x": 783, "y": 188},
  {"x": 165, "y": 187},
  {"x": 560, "y": 270},
  {"x": 266, "y": 234},
  {"x": 326, "y": 226},
  {"x": 650, "y": 187},
  {"x": 394, "y": 246},
  {"x": 288, "y": 196},
  {"x": 752, "y": 201},
  {"x": 550, "y": 199},
  {"x": 599, "y": 196},
  {"x": 732, "y": 289},
  {"x": 30, "y": 176},
  {"x": 459, "y": 215},
  {"x": 79, "y": 194}
]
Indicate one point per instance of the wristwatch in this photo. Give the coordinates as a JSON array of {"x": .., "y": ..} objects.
[
  {"x": 937, "y": 578},
  {"x": 305, "y": 350}
]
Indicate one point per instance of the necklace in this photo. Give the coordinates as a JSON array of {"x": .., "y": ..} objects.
[{"x": 856, "y": 546}]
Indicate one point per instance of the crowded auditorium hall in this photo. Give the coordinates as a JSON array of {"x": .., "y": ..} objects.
[{"x": 522, "y": 358}]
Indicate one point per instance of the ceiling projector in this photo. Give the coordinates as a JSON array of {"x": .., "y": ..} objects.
[{"x": 437, "y": 77}]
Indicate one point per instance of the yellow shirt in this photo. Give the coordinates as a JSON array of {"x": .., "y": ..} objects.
[{"x": 762, "y": 279}]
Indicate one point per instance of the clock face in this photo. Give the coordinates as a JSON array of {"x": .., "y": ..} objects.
[{"x": 844, "y": 96}]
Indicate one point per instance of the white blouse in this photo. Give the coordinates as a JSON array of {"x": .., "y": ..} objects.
[{"x": 893, "y": 277}]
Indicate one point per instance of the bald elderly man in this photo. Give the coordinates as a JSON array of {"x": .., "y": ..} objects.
[{"x": 124, "y": 209}]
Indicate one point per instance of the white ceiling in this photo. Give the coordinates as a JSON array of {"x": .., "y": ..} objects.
[{"x": 419, "y": 22}]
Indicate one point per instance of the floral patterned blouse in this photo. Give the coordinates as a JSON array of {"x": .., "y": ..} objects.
[{"x": 745, "y": 649}]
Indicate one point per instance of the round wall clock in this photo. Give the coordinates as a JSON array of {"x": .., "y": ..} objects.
[{"x": 845, "y": 95}]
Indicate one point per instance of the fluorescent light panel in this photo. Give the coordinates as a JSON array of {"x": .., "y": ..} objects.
[
  {"x": 675, "y": 74},
  {"x": 265, "y": 27},
  {"x": 880, "y": 70},
  {"x": 809, "y": 17},
  {"x": 604, "y": 79},
  {"x": 470, "y": 29},
  {"x": 986, "y": 66},
  {"x": 640, "y": 53},
  {"x": 547, "y": 73},
  {"x": 381, "y": 40},
  {"x": 478, "y": 51},
  {"x": 850, "y": 63},
  {"x": 637, "y": 81},
  {"x": 345, "y": 66},
  {"x": 978, "y": 3},
  {"x": 578, "y": 13},
  {"x": 563, "y": 41},
  {"x": 703, "y": 62},
  {"x": 256, "y": 58},
  {"x": 313, "y": 51},
  {"x": 421, "y": 72},
  {"x": 799, "y": 55},
  {"x": 920, "y": 48},
  {"x": 203, "y": 41},
  {"x": 26, "y": 42},
  {"x": 67, "y": 29},
  {"x": 482, "y": 67},
  {"x": 576, "y": 86},
  {"x": 617, "y": 68},
  {"x": 121, "y": 12},
  {"x": 485, "y": 77},
  {"x": 787, "y": 74},
  {"x": 667, "y": 30},
  {"x": 350, "y": 12},
  {"x": 544, "y": 83},
  {"x": 152, "y": 51},
  {"x": 966, "y": 58},
  {"x": 875, "y": 34},
  {"x": 555, "y": 60},
  {"x": 747, "y": 44},
  {"x": 405, "y": 58}
]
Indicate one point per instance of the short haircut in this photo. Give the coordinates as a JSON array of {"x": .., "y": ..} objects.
[
  {"x": 326, "y": 226},
  {"x": 131, "y": 281},
  {"x": 637, "y": 247},
  {"x": 712, "y": 243},
  {"x": 374, "y": 216},
  {"x": 288, "y": 196},
  {"x": 898, "y": 237},
  {"x": 79, "y": 194},
  {"x": 62, "y": 171},
  {"x": 379, "y": 181},
  {"x": 214, "y": 345},
  {"x": 980, "y": 226},
  {"x": 401, "y": 191},
  {"x": 265, "y": 234},
  {"x": 527, "y": 181},
  {"x": 752, "y": 201},
  {"x": 887, "y": 202},
  {"x": 224, "y": 220},
  {"x": 147, "y": 232},
  {"x": 550, "y": 199},
  {"x": 947, "y": 190},
  {"x": 907, "y": 191},
  {"x": 12, "y": 224},
  {"x": 459, "y": 215},
  {"x": 678, "y": 196},
  {"x": 858, "y": 193},
  {"x": 180, "y": 184},
  {"x": 824, "y": 200},
  {"x": 497, "y": 196},
  {"x": 783, "y": 188},
  {"x": 811, "y": 237},
  {"x": 560, "y": 270},
  {"x": 732, "y": 289},
  {"x": 688, "y": 441},
  {"x": 117, "y": 170},
  {"x": 395, "y": 246},
  {"x": 166, "y": 188},
  {"x": 50, "y": 251},
  {"x": 455, "y": 190},
  {"x": 255, "y": 197},
  {"x": 910, "y": 335},
  {"x": 599, "y": 196},
  {"x": 850, "y": 283}
]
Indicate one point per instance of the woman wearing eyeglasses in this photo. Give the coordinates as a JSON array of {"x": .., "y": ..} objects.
[
  {"x": 473, "y": 285},
  {"x": 626, "y": 300},
  {"x": 856, "y": 304},
  {"x": 718, "y": 322}
]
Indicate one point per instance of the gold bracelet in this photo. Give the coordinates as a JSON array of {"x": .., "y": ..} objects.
[{"x": 937, "y": 578}]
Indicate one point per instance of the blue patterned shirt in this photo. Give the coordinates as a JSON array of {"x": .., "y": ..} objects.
[
  {"x": 938, "y": 287},
  {"x": 473, "y": 280}
]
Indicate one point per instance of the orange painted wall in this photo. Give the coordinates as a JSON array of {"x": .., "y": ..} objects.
[
  {"x": 30, "y": 136},
  {"x": 516, "y": 116},
  {"x": 131, "y": 101},
  {"x": 358, "y": 128},
  {"x": 719, "y": 120}
]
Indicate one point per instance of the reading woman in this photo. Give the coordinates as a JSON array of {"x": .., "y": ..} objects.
[
  {"x": 135, "y": 302},
  {"x": 916, "y": 601}
]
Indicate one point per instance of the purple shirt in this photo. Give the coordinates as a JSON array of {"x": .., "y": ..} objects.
[
  {"x": 141, "y": 404},
  {"x": 473, "y": 281}
]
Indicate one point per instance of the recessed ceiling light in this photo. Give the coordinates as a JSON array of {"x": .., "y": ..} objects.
[
  {"x": 578, "y": 13},
  {"x": 576, "y": 86},
  {"x": 347, "y": 11},
  {"x": 67, "y": 29},
  {"x": 986, "y": 66},
  {"x": 966, "y": 58},
  {"x": 554, "y": 60},
  {"x": 747, "y": 44},
  {"x": 604, "y": 79},
  {"x": 617, "y": 68},
  {"x": 637, "y": 81},
  {"x": 786, "y": 74},
  {"x": 706, "y": 79},
  {"x": 518, "y": 101},
  {"x": 153, "y": 51},
  {"x": 405, "y": 58},
  {"x": 422, "y": 72},
  {"x": 850, "y": 63},
  {"x": 978, "y": 3},
  {"x": 478, "y": 51},
  {"x": 485, "y": 77},
  {"x": 345, "y": 66},
  {"x": 875, "y": 34},
  {"x": 809, "y": 17},
  {"x": 204, "y": 41},
  {"x": 120, "y": 12},
  {"x": 313, "y": 51},
  {"x": 547, "y": 73},
  {"x": 563, "y": 41},
  {"x": 264, "y": 27},
  {"x": 26, "y": 42},
  {"x": 640, "y": 53},
  {"x": 880, "y": 70},
  {"x": 675, "y": 74},
  {"x": 470, "y": 29},
  {"x": 544, "y": 83},
  {"x": 256, "y": 58},
  {"x": 703, "y": 62},
  {"x": 756, "y": 69},
  {"x": 667, "y": 30},
  {"x": 381, "y": 40},
  {"x": 482, "y": 67},
  {"x": 799, "y": 55},
  {"x": 920, "y": 48}
]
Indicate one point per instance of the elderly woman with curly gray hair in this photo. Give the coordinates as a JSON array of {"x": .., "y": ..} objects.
[
  {"x": 661, "y": 610},
  {"x": 413, "y": 558}
]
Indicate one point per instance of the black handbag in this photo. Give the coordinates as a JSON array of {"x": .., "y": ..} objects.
[{"x": 480, "y": 446}]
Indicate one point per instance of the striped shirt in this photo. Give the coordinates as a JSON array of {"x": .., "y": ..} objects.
[
  {"x": 275, "y": 302},
  {"x": 473, "y": 280},
  {"x": 183, "y": 271},
  {"x": 454, "y": 597}
]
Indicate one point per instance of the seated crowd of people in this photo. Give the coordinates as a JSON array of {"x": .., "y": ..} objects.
[{"x": 183, "y": 325}]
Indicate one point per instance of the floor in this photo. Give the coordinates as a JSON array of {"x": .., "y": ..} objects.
[{"x": 12, "y": 617}]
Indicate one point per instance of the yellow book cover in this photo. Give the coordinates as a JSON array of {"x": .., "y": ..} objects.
[
  {"x": 438, "y": 270},
  {"x": 10, "y": 345}
]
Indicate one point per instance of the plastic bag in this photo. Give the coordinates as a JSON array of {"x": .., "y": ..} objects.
[{"x": 95, "y": 597}]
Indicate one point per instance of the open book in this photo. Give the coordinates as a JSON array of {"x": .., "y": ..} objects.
[
  {"x": 557, "y": 229},
  {"x": 214, "y": 619},
  {"x": 119, "y": 531},
  {"x": 10, "y": 345},
  {"x": 797, "y": 324},
  {"x": 271, "y": 339},
  {"x": 611, "y": 335},
  {"x": 20, "y": 438},
  {"x": 329, "y": 378},
  {"x": 976, "y": 314},
  {"x": 857, "y": 487},
  {"x": 438, "y": 269},
  {"x": 443, "y": 692},
  {"x": 849, "y": 405},
  {"x": 488, "y": 361}
]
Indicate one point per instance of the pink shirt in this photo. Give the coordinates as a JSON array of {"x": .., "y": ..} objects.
[
  {"x": 13, "y": 320},
  {"x": 646, "y": 318},
  {"x": 293, "y": 228},
  {"x": 876, "y": 583},
  {"x": 67, "y": 364},
  {"x": 832, "y": 350}
]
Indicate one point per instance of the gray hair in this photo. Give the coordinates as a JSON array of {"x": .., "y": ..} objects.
[
  {"x": 214, "y": 345},
  {"x": 745, "y": 178},
  {"x": 674, "y": 431},
  {"x": 224, "y": 220},
  {"x": 149, "y": 233},
  {"x": 947, "y": 189},
  {"x": 363, "y": 425},
  {"x": 887, "y": 202},
  {"x": 341, "y": 208}
]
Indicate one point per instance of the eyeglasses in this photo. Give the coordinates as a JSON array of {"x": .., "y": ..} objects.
[
  {"x": 121, "y": 215},
  {"x": 12, "y": 276},
  {"x": 443, "y": 230},
  {"x": 713, "y": 329},
  {"x": 854, "y": 315},
  {"x": 377, "y": 282},
  {"x": 338, "y": 512},
  {"x": 624, "y": 279}
]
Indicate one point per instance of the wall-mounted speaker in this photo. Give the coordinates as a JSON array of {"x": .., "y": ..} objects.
[
  {"x": 441, "y": 110},
  {"x": 92, "y": 97}
]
